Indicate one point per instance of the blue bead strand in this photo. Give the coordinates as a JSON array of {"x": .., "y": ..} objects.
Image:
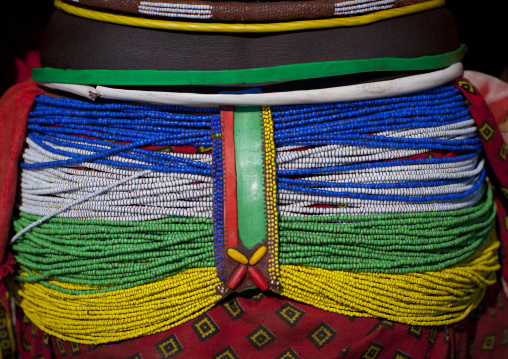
[
  {"x": 218, "y": 185},
  {"x": 160, "y": 166},
  {"x": 369, "y": 112},
  {"x": 164, "y": 159},
  {"x": 79, "y": 104},
  {"x": 411, "y": 199}
]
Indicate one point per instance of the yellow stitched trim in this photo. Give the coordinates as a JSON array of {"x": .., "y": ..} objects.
[
  {"x": 119, "y": 315},
  {"x": 430, "y": 298},
  {"x": 238, "y": 27},
  {"x": 271, "y": 194}
]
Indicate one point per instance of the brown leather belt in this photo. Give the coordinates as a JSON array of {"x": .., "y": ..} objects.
[
  {"x": 78, "y": 43},
  {"x": 243, "y": 11}
]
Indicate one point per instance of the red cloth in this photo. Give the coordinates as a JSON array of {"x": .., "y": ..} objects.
[
  {"x": 496, "y": 152},
  {"x": 15, "y": 106}
]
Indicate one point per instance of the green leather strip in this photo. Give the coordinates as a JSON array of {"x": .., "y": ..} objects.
[
  {"x": 250, "y": 182},
  {"x": 281, "y": 73}
]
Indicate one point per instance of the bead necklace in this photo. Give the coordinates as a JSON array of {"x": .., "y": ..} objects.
[
  {"x": 386, "y": 208},
  {"x": 437, "y": 95},
  {"x": 66, "y": 102},
  {"x": 385, "y": 197},
  {"x": 63, "y": 131}
]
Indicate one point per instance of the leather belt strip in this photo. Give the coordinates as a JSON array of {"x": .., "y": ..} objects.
[
  {"x": 248, "y": 256},
  {"x": 73, "y": 43},
  {"x": 243, "y": 11},
  {"x": 252, "y": 27},
  {"x": 249, "y": 76}
]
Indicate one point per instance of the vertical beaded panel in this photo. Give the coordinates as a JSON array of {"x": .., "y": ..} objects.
[
  {"x": 249, "y": 214},
  {"x": 271, "y": 200},
  {"x": 218, "y": 203}
]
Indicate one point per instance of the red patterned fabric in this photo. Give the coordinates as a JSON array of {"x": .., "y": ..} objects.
[
  {"x": 495, "y": 93},
  {"x": 495, "y": 150},
  {"x": 492, "y": 140}
]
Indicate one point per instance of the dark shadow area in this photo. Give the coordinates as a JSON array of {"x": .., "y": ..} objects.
[
  {"x": 21, "y": 26},
  {"x": 482, "y": 27}
]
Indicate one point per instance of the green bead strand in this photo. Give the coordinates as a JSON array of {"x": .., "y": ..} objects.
[
  {"x": 110, "y": 255},
  {"x": 388, "y": 243}
]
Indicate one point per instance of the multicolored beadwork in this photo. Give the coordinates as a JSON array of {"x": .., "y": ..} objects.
[
  {"x": 250, "y": 217},
  {"x": 362, "y": 203}
]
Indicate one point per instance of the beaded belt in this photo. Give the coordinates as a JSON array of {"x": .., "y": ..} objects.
[
  {"x": 245, "y": 11},
  {"x": 78, "y": 44},
  {"x": 374, "y": 14},
  {"x": 135, "y": 218}
]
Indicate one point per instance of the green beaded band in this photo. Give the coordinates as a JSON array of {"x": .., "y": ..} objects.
[
  {"x": 274, "y": 74},
  {"x": 113, "y": 254},
  {"x": 119, "y": 255},
  {"x": 391, "y": 243}
]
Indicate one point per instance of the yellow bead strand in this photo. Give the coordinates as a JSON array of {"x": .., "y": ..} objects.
[
  {"x": 429, "y": 298},
  {"x": 271, "y": 194},
  {"x": 118, "y": 315}
]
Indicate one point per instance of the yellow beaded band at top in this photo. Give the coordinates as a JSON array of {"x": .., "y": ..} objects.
[{"x": 251, "y": 28}]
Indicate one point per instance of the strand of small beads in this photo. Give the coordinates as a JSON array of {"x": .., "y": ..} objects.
[
  {"x": 121, "y": 314},
  {"x": 429, "y": 298},
  {"x": 218, "y": 197},
  {"x": 122, "y": 129},
  {"x": 113, "y": 255},
  {"x": 124, "y": 273},
  {"x": 442, "y": 97},
  {"x": 386, "y": 244},
  {"x": 68, "y": 153},
  {"x": 409, "y": 153},
  {"x": 108, "y": 142}
]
